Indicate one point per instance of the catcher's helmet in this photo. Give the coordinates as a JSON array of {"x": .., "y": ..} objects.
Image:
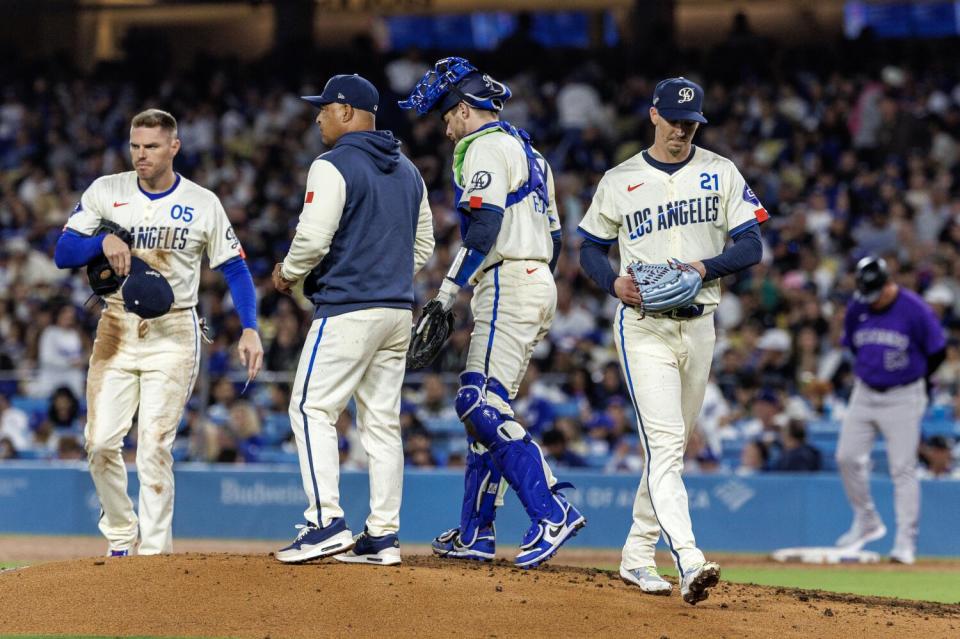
[
  {"x": 454, "y": 80},
  {"x": 872, "y": 274}
]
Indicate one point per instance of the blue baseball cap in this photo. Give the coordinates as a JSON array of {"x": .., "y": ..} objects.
[
  {"x": 679, "y": 99},
  {"x": 145, "y": 291},
  {"x": 353, "y": 89}
]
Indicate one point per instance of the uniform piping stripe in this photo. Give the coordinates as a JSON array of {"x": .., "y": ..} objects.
[
  {"x": 306, "y": 423},
  {"x": 493, "y": 320},
  {"x": 646, "y": 443},
  {"x": 196, "y": 357}
]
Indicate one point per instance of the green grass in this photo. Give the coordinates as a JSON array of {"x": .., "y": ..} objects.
[
  {"x": 10, "y": 564},
  {"x": 941, "y": 586}
]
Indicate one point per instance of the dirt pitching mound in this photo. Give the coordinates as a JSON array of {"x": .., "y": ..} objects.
[{"x": 254, "y": 596}]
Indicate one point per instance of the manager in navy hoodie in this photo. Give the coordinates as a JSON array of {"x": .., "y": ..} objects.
[{"x": 365, "y": 230}]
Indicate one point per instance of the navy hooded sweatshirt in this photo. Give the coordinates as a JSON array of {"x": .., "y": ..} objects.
[{"x": 371, "y": 258}]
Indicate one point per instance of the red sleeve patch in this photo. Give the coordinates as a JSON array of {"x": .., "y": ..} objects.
[
  {"x": 761, "y": 215},
  {"x": 476, "y": 202},
  {"x": 309, "y": 197}
]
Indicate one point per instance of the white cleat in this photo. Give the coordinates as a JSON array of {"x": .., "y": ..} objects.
[
  {"x": 859, "y": 536},
  {"x": 647, "y": 579},
  {"x": 697, "y": 581}
]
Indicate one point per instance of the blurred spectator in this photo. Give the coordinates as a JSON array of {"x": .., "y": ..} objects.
[
  {"x": 14, "y": 425},
  {"x": 936, "y": 458},
  {"x": 417, "y": 450},
  {"x": 796, "y": 455},
  {"x": 556, "y": 453},
  {"x": 753, "y": 458},
  {"x": 61, "y": 361},
  {"x": 7, "y": 449},
  {"x": 64, "y": 411}
]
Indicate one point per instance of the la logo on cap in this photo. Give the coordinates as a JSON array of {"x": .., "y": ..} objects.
[{"x": 686, "y": 95}]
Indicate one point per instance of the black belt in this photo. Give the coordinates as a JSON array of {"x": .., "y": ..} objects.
[
  {"x": 492, "y": 266},
  {"x": 884, "y": 389},
  {"x": 686, "y": 312}
]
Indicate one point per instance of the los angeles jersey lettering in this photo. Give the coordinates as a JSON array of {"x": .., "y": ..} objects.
[
  {"x": 171, "y": 233},
  {"x": 688, "y": 215}
]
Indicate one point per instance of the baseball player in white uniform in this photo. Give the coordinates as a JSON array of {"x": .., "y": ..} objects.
[
  {"x": 673, "y": 200},
  {"x": 511, "y": 239},
  {"x": 366, "y": 228},
  {"x": 148, "y": 367}
]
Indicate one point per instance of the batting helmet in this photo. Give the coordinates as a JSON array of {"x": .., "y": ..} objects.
[
  {"x": 872, "y": 274},
  {"x": 454, "y": 80}
]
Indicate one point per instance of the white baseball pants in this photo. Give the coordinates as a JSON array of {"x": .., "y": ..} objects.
[
  {"x": 360, "y": 354},
  {"x": 666, "y": 364},
  {"x": 513, "y": 307},
  {"x": 150, "y": 364}
]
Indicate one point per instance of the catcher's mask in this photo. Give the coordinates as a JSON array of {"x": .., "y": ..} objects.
[
  {"x": 872, "y": 274},
  {"x": 454, "y": 80},
  {"x": 145, "y": 291}
]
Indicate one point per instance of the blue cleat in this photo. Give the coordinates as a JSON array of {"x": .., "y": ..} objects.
[
  {"x": 314, "y": 542},
  {"x": 379, "y": 551},
  {"x": 545, "y": 537},
  {"x": 449, "y": 545}
]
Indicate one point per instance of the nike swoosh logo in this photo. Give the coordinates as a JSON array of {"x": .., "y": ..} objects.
[
  {"x": 116, "y": 204},
  {"x": 554, "y": 531},
  {"x": 531, "y": 271},
  {"x": 633, "y": 187}
]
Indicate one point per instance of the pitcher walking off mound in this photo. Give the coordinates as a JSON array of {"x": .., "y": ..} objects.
[{"x": 672, "y": 201}]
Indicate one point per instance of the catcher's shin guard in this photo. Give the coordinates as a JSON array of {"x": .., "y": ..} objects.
[
  {"x": 481, "y": 483},
  {"x": 512, "y": 451}
]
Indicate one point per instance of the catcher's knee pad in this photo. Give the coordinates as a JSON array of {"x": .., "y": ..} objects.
[
  {"x": 487, "y": 421},
  {"x": 481, "y": 485}
]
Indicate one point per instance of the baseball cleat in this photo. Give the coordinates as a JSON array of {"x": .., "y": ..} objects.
[
  {"x": 314, "y": 542},
  {"x": 859, "y": 535},
  {"x": 903, "y": 556},
  {"x": 648, "y": 580},
  {"x": 696, "y": 581},
  {"x": 544, "y": 538},
  {"x": 448, "y": 545},
  {"x": 379, "y": 551}
]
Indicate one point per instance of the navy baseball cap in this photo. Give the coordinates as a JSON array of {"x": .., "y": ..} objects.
[
  {"x": 145, "y": 291},
  {"x": 353, "y": 89},
  {"x": 679, "y": 99}
]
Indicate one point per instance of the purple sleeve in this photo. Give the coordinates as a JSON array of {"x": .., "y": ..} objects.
[
  {"x": 933, "y": 338},
  {"x": 846, "y": 338}
]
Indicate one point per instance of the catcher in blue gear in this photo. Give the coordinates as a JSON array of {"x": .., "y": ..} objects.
[{"x": 511, "y": 240}]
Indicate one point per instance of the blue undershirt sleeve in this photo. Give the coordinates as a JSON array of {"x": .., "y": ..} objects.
[
  {"x": 557, "y": 237},
  {"x": 484, "y": 228},
  {"x": 596, "y": 264},
  {"x": 74, "y": 250},
  {"x": 241, "y": 289},
  {"x": 746, "y": 250}
]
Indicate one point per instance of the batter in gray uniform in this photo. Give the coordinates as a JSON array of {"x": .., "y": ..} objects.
[{"x": 897, "y": 342}]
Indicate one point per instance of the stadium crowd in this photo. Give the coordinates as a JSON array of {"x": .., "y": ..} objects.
[{"x": 848, "y": 161}]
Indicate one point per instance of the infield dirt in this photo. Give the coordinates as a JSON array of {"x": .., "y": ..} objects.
[{"x": 254, "y": 596}]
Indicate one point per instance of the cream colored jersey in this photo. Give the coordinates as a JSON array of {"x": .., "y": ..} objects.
[
  {"x": 494, "y": 166},
  {"x": 171, "y": 231},
  {"x": 688, "y": 215}
]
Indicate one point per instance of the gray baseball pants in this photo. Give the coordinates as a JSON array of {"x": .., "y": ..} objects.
[{"x": 896, "y": 414}]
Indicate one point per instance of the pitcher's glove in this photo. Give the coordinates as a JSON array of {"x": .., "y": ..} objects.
[
  {"x": 429, "y": 335},
  {"x": 664, "y": 287},
  {"x": 103, "y": 279}
]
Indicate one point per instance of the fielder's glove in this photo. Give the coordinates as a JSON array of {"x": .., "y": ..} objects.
[
  {"x": 103, "y": 279},
  {"x": 664, "y": 287},
  {"x": 430, "y": 334}
]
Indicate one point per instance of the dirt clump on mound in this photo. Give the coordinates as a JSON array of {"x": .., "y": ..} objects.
[{"x": 254, "y": 596}]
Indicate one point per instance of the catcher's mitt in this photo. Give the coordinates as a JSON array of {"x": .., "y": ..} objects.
[
  {"x": 664, "y": 287},
  {"x": 103, "y": 279},
  {"x": 429, "y": 335}
]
